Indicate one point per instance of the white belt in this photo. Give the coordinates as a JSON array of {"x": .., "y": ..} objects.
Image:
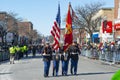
[
  {"x": 65, "y": 54},
  {"x": 74, "y": 53},
  {"x": 46, "y": 54},
  {"x": 55, "y": 54}
]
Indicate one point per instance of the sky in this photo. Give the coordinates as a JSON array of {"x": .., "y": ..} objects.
[{"x": 42, "y": 13}]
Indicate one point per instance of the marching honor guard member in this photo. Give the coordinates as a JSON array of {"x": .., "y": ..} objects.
[
  {"x": 74, "y": 53},
  {"x": 47, "y": 57},
  {"x": 56, "y": 60},
  {"x": 65, "y": 56}
]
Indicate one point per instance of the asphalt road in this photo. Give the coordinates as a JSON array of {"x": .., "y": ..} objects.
[{"x": 32, "y": 69}]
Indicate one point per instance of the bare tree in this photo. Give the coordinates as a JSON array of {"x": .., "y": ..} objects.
[
  {"x": 85, "y": 16},
  {"x": 13, "y": 19},
  {"x": 15, "y": 16},
  {"x": 12, "y": 22}
]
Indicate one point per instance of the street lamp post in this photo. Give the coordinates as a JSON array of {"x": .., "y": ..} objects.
[{"x": 1, "y": 35}]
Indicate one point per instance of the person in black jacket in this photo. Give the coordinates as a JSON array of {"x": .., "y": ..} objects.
[
  {"x": 65, "y": 56},
  {"x": 74, "y": 53},
  {"x": 56, "y": 60},
  {"x": 47, "y": 57},
  {"x": 34, "y": 50}
]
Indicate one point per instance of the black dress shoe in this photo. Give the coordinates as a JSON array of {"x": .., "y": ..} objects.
[
  {"x": 71, "y": 73},
  {"x": 75, "y": 74},
  {"x": 45, "y": 75},
  {"x": 53, "y": 74}
]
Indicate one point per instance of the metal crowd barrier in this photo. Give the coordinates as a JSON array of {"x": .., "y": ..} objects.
[
  {"x": 4, "y": 55},
  {"x": 116, "y": 57},
  {"x": 91, "y": 53},
  {"x": 102, "y": 55}
]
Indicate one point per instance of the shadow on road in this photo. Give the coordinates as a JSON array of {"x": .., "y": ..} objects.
[
  {"x": 5, "y": 73},
  {"x": 79, "y": 74},
  {"x": 96, "y": 73}
]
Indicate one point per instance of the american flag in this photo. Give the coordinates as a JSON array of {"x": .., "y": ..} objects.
[{"x": 56, "y": 30}]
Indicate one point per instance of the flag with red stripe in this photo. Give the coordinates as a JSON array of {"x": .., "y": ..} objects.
[
  {"x": 68, "y": 37},
  {"x": 56, "y": 30}
]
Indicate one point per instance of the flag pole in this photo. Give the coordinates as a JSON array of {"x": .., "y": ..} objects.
[
  {"x": 69, "y": 3},
  {"x": 59, "y": 27}
]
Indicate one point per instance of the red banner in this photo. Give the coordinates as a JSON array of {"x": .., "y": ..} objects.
[
  {"x": 117, "y": 26},
  {"x": 107, "y": 26},
  {"x": 68, "y": 37}
]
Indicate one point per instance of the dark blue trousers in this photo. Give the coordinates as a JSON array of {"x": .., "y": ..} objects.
[
  {"x": 73, "y": 68},
  {"x": 65, "y": 67},
  {"x": 55, "y": 67},
  {"x": 46, "y": 68}
]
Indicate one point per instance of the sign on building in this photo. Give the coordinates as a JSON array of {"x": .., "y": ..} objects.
[{"x": 9, "y": 37}]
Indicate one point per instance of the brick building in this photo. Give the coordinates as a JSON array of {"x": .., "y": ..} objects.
[
  {"x": 24, "y": 28},
  {"x": 9, "y": 21},
  {"x": 116, "y": 6},
  {"x": 3, "y": 15},
  {"x": 117, "y": 18}
]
